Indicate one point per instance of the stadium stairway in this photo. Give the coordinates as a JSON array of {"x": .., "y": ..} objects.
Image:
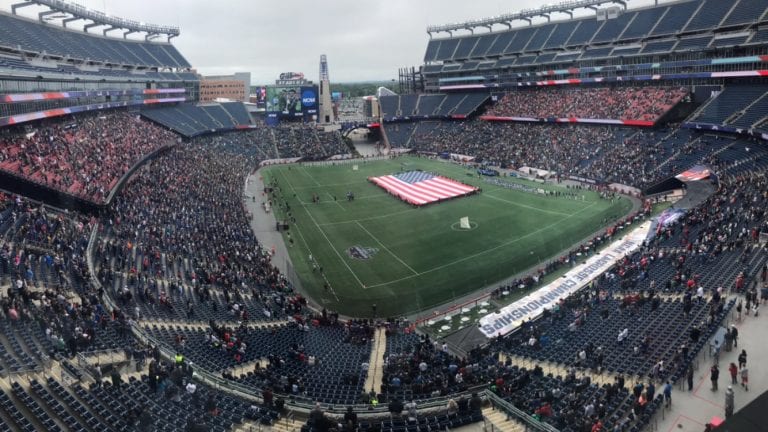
[
  {"x": 231, "y": 117},
  {"x": 500, "y": 421},
  {"x": 287, "y": 423},
  {"x": 274, "y": 142},
  {"x": 376, "y": 362},
  {"x": 671, "y": 158},
  {"x": 697, "y": 112}
]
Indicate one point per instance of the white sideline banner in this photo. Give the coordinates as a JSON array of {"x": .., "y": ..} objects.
[{"x": 531, "y": 306}]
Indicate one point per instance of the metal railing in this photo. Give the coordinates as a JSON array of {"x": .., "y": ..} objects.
[
  {"x": 113, "y": 355},
  {"x": 530, "y": 422}
]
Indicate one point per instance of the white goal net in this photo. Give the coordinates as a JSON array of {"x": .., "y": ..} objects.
[{"x": 464, "y": 223}]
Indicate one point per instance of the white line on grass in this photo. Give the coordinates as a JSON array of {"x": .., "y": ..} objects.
[
  {"x": 387, "y": 249},
  {"x": 304, "y": 170},
  {"x": 525, "y": 206},
  {"x": 482, "y": 252},
  {"x": 303, "y": 240},
  {"x": 357, "y": 198},
  {"x": 333, "y": 199},
  {"x": 326, "y": 237},
  {"x": 334, "y": 184},
  {"x": 334, "y": 249},
  {"x": 368, "y": 218}
]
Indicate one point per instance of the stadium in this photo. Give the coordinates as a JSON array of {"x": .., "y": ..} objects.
[{"x": 557, "y": 222}]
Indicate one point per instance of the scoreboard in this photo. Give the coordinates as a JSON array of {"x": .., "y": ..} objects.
[{"x": 292, "y": 97}]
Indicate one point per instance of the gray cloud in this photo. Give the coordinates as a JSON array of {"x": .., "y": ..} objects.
[{"x": 364, "y": 40}]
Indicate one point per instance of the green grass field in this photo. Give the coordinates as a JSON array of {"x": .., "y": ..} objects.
[{"x": 421, "y": 258}]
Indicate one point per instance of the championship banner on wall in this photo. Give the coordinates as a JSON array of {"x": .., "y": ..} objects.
[{"x": 531, "y": 306}]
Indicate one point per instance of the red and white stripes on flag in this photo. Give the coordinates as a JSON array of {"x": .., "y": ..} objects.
[{"x": 422, "y": 188}]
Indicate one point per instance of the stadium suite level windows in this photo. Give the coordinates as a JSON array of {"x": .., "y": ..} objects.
[
  {"x": 23, "y": 85},
  {"x": 211, "y": 90}
]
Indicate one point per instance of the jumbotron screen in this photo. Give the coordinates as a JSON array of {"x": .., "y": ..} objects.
[{"x": 292, "y": 101}]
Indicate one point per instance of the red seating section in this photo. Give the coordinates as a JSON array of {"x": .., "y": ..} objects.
[{"x": 83, "y": 155}]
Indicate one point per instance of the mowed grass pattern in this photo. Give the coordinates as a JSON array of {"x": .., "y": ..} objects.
[{"x": 423, "y": 260}]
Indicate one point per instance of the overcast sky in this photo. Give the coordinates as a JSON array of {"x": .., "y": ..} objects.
[{"x": 364, "y": 40}]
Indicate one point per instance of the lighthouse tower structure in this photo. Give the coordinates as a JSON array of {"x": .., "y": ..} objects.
[{"x": 326, "y": 105}]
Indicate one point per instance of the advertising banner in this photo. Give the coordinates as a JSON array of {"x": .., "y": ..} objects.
[{"x": 531, "y": 306}]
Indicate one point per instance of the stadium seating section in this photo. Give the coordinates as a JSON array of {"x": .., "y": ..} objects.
[
  {"x": 429, "y": 105},
  {"x": 637, "y": 31},
  {"x": 742, "y": 106},
  {"x": 623, "y": 103},
  {"x": 15, "y": 65},
  {"x": 31, "y": 36},
  {"x": 84, "y": 156},
  {"x": 191, "y": 119}
]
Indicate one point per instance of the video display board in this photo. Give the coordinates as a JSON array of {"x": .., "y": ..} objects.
[{"x": 292, "y": 101}]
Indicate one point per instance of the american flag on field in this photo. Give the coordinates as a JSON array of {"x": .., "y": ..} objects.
[{"x": 420, "y": 188}]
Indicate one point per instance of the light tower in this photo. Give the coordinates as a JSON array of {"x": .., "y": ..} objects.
[{"x": 326, "y": 106}]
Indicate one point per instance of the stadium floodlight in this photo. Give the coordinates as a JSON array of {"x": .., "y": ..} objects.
[
  {"x": 100, "y": 18},
  {"x": 566, "y": 7}
]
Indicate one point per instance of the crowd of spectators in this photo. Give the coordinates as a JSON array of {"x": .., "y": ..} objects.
[
  {"x": 731, "y": 218},
  {"x": 258, "y": 141},
  {"x": 622, "y": 103},
  {"x": 48, "y": 273},
  {"x": 633, "y": 159},
  {"x": 424, "y": 368},
  {"x": 608, "y": 154},
  {"x": 180, "y": 226},
  {"x": 306, "y": 142},
  {"x": 560, "y": 148},
  {"x": 645, "y": 157},
  {"x": 46, "y": 248},
  {"x": 83, "y": 155}
]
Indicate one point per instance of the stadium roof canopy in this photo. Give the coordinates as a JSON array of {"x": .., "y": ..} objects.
[
  {"x": 76, "y": 12},
  {"x": 566, "y": 7},
  {"x": 383, "y": 91}
]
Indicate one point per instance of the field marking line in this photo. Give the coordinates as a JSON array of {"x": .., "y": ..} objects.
[
  {"x": 493, "y": 188},
  {"x": 362, "y": 181},
  {"x": 526, "y": 206},
  {"x": 532, "y": 233},
  {"x": 309, "y": 213},
  {"x": 368, "y": 218},
  {"x": 334, "y": 249},
  {"x": 333, "y": 200},
  {"x": 293, "y": 189},
  {"x": 367, "y": 197},
  {"x": 333, "y": 184},
  {"x": 386, "y": 248},
  {"x": 373, "y": 196},
  {"x": 303, "y": 240},
  {"x": 323, "y": 233},
  {"x": 304, "y": 170}
]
